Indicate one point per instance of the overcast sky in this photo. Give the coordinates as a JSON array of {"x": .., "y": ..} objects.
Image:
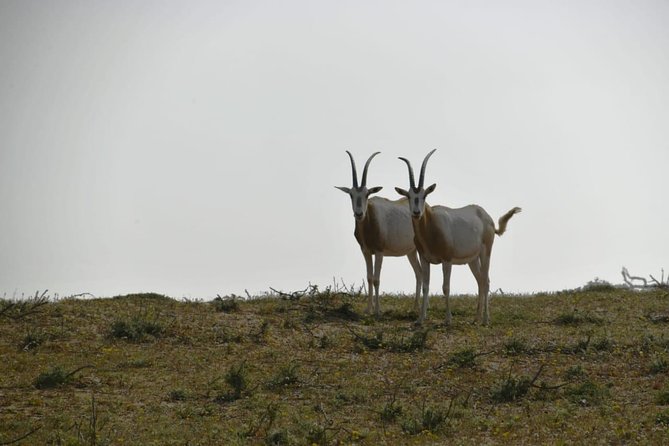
[{"x": 191, "y": 147}]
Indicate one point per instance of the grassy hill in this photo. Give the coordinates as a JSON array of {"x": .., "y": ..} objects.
[{"x": 554, "y": 368}]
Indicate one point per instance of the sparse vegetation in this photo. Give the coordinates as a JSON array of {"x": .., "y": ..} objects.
[
  {"x": 575, "y": 318},
  {"x": 662, "y": 398},
  {"x": 598, "y": 285},
  {"x": 463, "y": 358},
  {"x": 136, "y": 329},
  {"x": 587, "y": 393},
  {"x": 514, "y": 347},
  {"x": 22, "y": 308},
  {"x": 55, "y": 377},
  {"x": 390, "y": 412},
  {"x": 663, "y": 418},
  {"x": 177, "y": 395},
  {"x": 32, "y": 340},
  {"x": 286, "y": 376},
  {"x": 574, "y": 373},
  {"x": 312, "y": 368},
  {"x": 226, "y": 304},
  {"x": 511, "y": 389},
  {"x": 659, "y": 365},
  {"x": 237, "y": 378}
]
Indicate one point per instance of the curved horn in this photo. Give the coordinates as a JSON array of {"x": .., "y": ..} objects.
[
  {"x": 354, "y": 172},
  {"x": 422, "y": 169},
  {"x": 412, "y": 183},
  {"x": 364, "y": 172}
]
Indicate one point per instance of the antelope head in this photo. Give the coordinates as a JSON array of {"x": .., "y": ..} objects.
[
  {"x": 416, "y": 194},
  {"x": 359, "y": 194}
]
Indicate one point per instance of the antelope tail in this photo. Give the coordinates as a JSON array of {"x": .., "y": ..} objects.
[{"x": 504, "y": 219}]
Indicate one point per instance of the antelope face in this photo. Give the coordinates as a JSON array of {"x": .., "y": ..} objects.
[
  {"x": 416, "y": 194},
  {"x": 359, "y": 198},
  {"x": 359, "y": 193},
  {"x": 416, "y": 199}
]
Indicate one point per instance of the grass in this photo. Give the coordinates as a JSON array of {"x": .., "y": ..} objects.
[{"x": 147, "y": 369}]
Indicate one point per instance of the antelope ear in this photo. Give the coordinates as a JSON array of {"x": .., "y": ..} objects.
[
  {"x": 430, "y": 189},
  {"x": 402, "y": 192},
  {"x": 374, "y": 190},
  {"x": 344, "y": 189}
]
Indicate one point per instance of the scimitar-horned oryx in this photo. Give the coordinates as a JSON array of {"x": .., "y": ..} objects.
[
  {"x": 382, "y": 228},
  {"x": 449, "y": 236}
]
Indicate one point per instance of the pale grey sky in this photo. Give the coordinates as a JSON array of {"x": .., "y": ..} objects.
[{"x": 191, "y": 147}]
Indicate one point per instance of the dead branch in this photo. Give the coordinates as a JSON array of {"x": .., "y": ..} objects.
[
  {"x": 6, "y": 308},
  {"x": 72, "y": 373},
  {"x": 22, "y": 437},
  {"x": 536, "y": 375},
  {"x": 295, "y": 295},
  {"x": 74, "y": 296},
  {"x": 23, "y": 308},
  {"x": 629, "y": 279},
  {"x": 640, "y": 283}
]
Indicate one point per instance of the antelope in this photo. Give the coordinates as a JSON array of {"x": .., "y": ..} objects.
[
  {"x": 452, "y": 236},
  {"x": 382, "y": 228}
]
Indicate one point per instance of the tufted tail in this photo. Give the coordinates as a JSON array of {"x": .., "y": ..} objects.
[{"x": 504, "y": 219}]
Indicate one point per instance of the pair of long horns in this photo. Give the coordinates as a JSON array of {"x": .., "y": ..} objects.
[
  {"x": 364, "y": 171},
  {"x": 421, "y": 179}
]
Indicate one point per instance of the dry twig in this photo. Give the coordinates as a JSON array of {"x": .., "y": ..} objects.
[{"x": 637, "y": 282}]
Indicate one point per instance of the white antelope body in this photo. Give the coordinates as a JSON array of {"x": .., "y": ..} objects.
[
  {"x": 382, "y": 228},
  {"x": 449, "y": 236}
]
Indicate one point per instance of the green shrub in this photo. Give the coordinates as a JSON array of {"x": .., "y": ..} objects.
[
  {"x": 286, "y": 376},
  {"x": 278, "y": 438},
  {"x": 136, "y": 329},
  {"x": 598, "y": 285},
  {"x": 465, "y": 358},
  {"x": 55, "y": 377},
  {"x": 318, "y": 435},
  {"x": 374, "y": 342},
  {"x": 662, "y": 398},
  {"x": 260, "y": 334},
  {"x": 390, "y": 412},
  {"x": 33, "y": 339},
  {"x": 511, "y": 389},
  {"x": 430, "y": 420},
  {"x": 659, "y": 365},
  {"x": 662, "y": 418},
  {"x": 587, "y": 393},
  {"x": 603, "y": 345},
  {"x": 574, "y": 318},
  {"x": 226, "y": 304},
  {"x": 574, "y": 372},
  {"x": 417, "y": 341},
  {"x": 515, "y": 347},
  {"x": 237, "y": 378},
  {"x": 177, "y": 395},
  {"x": 151, "y": 296}
]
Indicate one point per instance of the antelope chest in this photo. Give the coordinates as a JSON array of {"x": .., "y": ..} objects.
[
  {"x": 434, "y": 250},
  {"x": 368, "y": 237}
]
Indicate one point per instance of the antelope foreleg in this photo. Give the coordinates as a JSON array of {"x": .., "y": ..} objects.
[
  {"x": 378, "y": 262},
  {"x": 415, "y": 264},
  {"x": 370, "y": 282},
  {"x": 425, "y": 269},
  {"x": 446, "y": 288}
]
